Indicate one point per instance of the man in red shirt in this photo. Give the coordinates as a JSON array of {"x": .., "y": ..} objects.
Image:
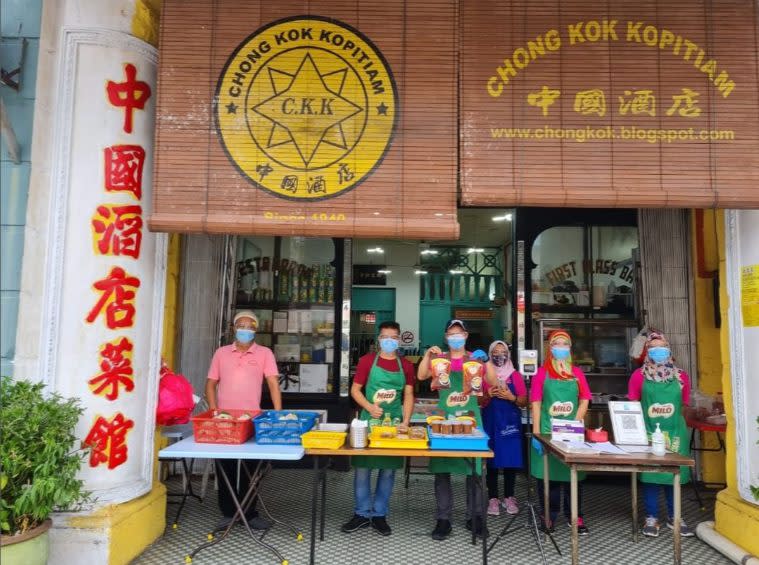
[
  {"x": 237, "y": 374},
  {"x": 380, "y": 382}
]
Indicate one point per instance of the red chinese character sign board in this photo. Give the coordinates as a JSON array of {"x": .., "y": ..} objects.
[
  {"x": 105, "y": 303},
  {"x": 341, "y": 123},
  {"x": 632, "y": 105}
]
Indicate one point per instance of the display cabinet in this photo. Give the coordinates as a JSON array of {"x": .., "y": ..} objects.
[
  {"x": 291, "y": 284},
  {"x": 600, "y": 348}
]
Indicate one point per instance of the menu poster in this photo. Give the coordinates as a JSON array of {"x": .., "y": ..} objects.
[
  {"x": 627, "y": 423},
  {"x": 280, "y": 322},
  {"x": 313, "y": 378}
]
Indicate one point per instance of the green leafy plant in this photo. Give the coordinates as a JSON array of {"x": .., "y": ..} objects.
[{"x": 38, "y": 457}]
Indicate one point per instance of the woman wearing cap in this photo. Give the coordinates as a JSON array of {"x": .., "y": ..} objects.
[
  {"x": 663, "y": 389},
  {"x": 502, "y": 419},
  {"x": 559, "y": 390},
  {"x": 454, "y": 402},
  {"x": 235, "y": 380}
]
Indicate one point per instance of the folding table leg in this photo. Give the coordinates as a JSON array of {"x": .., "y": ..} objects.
[{"x": 314, "y": 504}]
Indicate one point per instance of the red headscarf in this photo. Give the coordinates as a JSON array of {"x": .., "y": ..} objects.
[{"x": 558, "y": 369}]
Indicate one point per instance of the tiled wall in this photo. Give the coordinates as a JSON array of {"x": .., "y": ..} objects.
[{"x": 18, "y": 19}]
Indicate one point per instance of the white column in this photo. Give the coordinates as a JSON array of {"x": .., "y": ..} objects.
[
  {"x": 742, "y": 246},
  {"x": 93, "y": 277}
]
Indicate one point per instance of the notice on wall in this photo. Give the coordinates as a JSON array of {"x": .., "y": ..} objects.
[{"x": 750, "y": 296}]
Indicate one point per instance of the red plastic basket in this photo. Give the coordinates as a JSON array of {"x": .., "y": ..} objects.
[{"x": 208, "y": 429}]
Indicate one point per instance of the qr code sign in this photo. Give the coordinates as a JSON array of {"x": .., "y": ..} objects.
[{"x": 629, "y": 422}]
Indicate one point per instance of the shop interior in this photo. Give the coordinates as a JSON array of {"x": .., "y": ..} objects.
[{"x": 579, "y": 272}]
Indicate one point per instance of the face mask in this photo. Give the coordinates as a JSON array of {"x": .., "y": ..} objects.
[
  {"x": 659, "y": 354},
  {"x": 498, "y": 360},
  {"x": 388, "y": 345},
  {"x": 560, "y": 353},
  {"x": 456, "y": 341},
  {"x": 245, "y": 336}
]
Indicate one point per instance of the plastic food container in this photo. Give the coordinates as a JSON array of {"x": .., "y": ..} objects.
[
  {"x": 233, "y": 430},
  {"x": 376, "y": 439},
  {"x": 596, "y": 435},
  {"x": 476, "y": 441},
  {"x": 317, "y": 439}
]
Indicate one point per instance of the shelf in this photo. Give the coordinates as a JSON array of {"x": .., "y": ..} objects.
[{"x": 281, "y": 305}]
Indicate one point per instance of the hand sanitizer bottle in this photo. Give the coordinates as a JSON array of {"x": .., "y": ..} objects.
[{"x": 657, "y": 442}]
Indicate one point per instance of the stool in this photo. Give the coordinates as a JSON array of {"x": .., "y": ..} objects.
[{"x": 703, "y": 427}]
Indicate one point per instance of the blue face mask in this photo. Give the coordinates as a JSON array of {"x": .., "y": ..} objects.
[
  {"x": 456, "y": 341},
  {"x": 388, "y": 345},
  {"x": 659, "y": 354},
  {"x": 560, "y": 353},
  {"x": 244, "y": 336}
]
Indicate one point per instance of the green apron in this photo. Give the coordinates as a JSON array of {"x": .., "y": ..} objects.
[
  {"x": 555, "y": 391},
  {"x": 666, "y": 400},
  {"x": 387, "y": 384},
  {"x": 459, "y": 403}
]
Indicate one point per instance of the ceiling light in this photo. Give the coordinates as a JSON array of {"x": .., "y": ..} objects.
[
  {"x": 419, "y": 272},
  {"x": 504, "y": 218},
  {"x": 475, "y": 250},
  {"x": 439, "y": 214},
  {"x": 384, "y": 271},
  {"x": 375, "y": 250},
  {"x": 375, "y": 213},
  {"x": 456, "y": 272},
  {"x": 429, "y": 252}
]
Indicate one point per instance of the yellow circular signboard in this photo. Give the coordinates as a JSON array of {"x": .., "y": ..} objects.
[{"x": 306, "y": 108}]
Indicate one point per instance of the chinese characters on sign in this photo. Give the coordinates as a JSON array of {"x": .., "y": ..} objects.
[
  {"x": 634, "y": 102},
  {"x": 117, "y": 233}
]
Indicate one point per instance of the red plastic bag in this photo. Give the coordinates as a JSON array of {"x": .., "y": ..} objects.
[{"x": 175, "y": 402}]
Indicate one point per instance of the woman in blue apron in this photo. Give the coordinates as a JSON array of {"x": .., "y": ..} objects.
[
  {"x": 663, "y": 390},
  {"x": 502, "y": 420},
  {"x": 559, "y": 390}
]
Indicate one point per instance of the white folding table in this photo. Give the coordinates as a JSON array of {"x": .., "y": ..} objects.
[{"x": 264, "y": 454}]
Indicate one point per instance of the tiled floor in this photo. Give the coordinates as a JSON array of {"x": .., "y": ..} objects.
[{"x": 287, "y": 494}]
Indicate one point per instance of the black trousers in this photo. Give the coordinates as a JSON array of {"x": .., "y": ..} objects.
[
  {"x": 509, "y": 478},
  {"x": 554, "y": 498},
  {"x": 226, "y": 504}
]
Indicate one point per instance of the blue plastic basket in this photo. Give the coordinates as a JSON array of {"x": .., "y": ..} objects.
[
  {"x": 477, "y": 441},
  {"x": 272, "y": 428}
]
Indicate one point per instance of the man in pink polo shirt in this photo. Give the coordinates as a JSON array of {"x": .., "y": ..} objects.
[{"x": 235, "y": 381}]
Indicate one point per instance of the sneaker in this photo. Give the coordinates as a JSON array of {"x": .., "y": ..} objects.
[
  {"x": 442, "y": 530},
  {"x": 477, "y": 527},
  {"x": 494, "y": 507},
  {"x": 651, "y": 527},
  {"x": 380, "y": 524},
  {"x": 356, "y": 523},
  {"x": 259, "y": 523},
  {"x": 510, "y": 504},
  {"x": 685, "y": 531},
  {"x": 582, "y": 529}
]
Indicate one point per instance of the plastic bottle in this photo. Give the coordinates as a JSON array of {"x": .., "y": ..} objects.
[{"x": 657, "y": 442}]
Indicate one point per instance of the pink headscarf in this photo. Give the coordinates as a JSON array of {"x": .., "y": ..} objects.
[{"x": 504, "y": 372}]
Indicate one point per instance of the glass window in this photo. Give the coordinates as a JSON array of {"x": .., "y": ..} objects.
[{"x": 289, "y": 282}]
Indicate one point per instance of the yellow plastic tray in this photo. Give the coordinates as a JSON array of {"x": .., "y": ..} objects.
[
  {"x": 395, "y": 443},
  {"x": 323, "y": 440}
]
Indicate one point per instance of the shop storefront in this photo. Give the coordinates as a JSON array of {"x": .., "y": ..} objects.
[{"x": 521, "y": 167}]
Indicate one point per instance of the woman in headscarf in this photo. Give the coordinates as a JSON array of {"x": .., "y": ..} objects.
[
  {"x": 663, "y": 389},
  {"x": 502, "y": 420},
  {"x": 559, "y": 390}
]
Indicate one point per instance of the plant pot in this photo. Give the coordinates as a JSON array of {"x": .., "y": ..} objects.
[{"x": 30, "y": 548}]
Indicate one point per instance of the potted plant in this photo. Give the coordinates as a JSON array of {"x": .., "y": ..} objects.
[{"x": 38, "y": 468}]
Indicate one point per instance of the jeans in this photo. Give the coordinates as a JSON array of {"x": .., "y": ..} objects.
[
  {"x": 226, "y": 504},
  {"x": 362, "y": 492},
  {"x": 444, "y": 497},
  {"x": 651, "y": 499},
  {"x": 509, "y": 478},
  {"x": 554, "y": 496}
]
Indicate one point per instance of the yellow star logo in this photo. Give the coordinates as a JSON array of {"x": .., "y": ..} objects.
[{"x": 307, "y": 109}]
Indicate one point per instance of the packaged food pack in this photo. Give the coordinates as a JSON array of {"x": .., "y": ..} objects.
[
  {"x": 441, "y": 373},
  {"x": 474, "y": 372}
]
